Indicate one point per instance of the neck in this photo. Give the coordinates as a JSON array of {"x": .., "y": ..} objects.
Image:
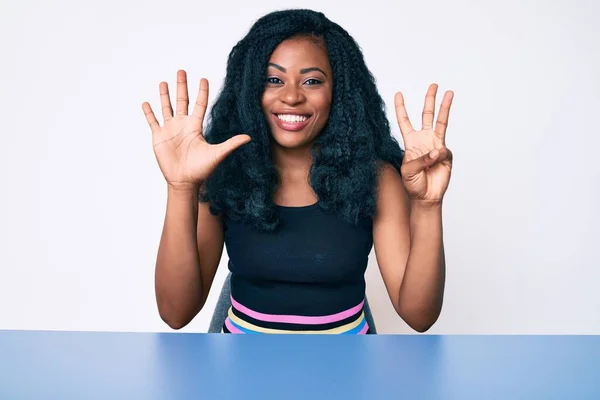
[{"x": 292, "y": 160}]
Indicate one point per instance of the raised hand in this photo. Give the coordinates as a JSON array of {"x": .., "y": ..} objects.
[
  {"x": 427, "y": 161},
  {"x": 184, "y": 157}
]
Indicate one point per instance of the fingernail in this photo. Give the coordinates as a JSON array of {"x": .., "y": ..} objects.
[{"x": 434, "y": 154}]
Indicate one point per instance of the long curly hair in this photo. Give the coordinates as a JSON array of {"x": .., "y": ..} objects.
[{"x": 347, "y": 154}]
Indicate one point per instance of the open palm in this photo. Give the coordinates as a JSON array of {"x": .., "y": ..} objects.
[
  {"x": 427, "y": 161},
  {"x": 185, "y": 158}
]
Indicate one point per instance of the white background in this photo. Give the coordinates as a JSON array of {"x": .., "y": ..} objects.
[{"x": 83, "y": 200}]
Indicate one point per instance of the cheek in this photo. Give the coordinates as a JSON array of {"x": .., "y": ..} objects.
[
  {"x": 322, "y": 103},
  {"x": 266, "y": 102},
  {"x": 325, "y": 107}
]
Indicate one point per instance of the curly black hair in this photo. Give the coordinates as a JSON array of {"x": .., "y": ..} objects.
[{"x": 348, "y": 153}]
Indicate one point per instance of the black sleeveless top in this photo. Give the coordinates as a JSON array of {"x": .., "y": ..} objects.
[{"x": 306, "y": 277}]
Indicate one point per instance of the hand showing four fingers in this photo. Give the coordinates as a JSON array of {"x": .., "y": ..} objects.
[{"x": 427, "y": 161}]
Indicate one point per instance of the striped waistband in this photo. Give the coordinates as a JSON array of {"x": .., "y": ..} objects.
[{"x": 241, "y": 319}]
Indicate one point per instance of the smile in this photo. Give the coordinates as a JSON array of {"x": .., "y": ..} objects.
[
  {"x": 292, "y": 118},
  {"x": 291, "y": 122}
]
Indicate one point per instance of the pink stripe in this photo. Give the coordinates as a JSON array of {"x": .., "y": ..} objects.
[
  {"x": 297, "y": 319},
  {"x": 231, "y": 328},
  {"x": 364, "y": 329}
]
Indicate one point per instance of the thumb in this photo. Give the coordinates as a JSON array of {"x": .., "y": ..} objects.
[
  {"x": 228, "y": 146},
  {"x": 417, "y": 165}
]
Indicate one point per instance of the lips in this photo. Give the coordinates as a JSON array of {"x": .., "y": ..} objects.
[{"x": 291, "y": 126}]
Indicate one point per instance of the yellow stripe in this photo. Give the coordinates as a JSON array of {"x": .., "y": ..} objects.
[{"x": 252, "y": 327}]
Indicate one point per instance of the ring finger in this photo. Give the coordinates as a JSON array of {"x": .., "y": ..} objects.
[{"x": 165, "y": 101}]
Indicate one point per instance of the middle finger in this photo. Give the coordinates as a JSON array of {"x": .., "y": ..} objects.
[
  {"x": 429, "y": 108},
  {"x": 182, "y": 93}
]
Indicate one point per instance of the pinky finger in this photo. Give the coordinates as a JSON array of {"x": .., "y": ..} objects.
[{"x": 150, "y": 117}]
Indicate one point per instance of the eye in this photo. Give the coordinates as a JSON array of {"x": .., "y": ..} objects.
[
  {"x": 274, "y": 80},
  {"x": 313, "y": 81}
]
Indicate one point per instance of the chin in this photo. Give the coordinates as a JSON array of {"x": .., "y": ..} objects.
[{"x": 288, "y": 141}]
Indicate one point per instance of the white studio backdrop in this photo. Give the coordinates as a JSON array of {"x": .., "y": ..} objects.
[{"x": 83, "y": 200}]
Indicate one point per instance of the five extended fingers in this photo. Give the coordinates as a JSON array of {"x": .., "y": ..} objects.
[{"x": 182, "y": 102}]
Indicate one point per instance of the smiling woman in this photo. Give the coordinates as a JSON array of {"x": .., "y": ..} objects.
[
  {"x": 297, "y": 96},
  {"x": 299, "y": 176}
]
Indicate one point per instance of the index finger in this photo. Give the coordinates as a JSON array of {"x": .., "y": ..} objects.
[
  {"x": 201, "y": 100},
  {"x": 442, "y": 121},
  {"x": 401, "y": 115}
]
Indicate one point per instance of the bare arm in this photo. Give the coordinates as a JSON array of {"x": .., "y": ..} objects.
[
  {"x": 408, "y": 226},
  {"x": 409, "y": 250},
  {"x": 192, "y": 239},
  {"x": 422, "y": 290},
  {"x": 189, "y": 253}
]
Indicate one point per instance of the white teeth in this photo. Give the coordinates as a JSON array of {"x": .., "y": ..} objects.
[{"x": 292, "y": 118}]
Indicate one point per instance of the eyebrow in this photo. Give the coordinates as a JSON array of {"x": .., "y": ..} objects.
[{"x": 302, "y": 71}]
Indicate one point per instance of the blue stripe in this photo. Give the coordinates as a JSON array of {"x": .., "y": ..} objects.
[
  {"x": 357, "y": 329},
  {"x": 245, "y": 330}
]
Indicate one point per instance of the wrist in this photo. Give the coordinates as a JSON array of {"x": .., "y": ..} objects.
[
  {"x": 183, "y": 188},
  {"x": 425, "y": 216},
  {"x": 426, "y": 205}
]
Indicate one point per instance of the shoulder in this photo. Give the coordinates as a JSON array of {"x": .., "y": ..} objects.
[
  {"x": 387, "y": 173},
  {"x": 391, "y": 195},
  {"x": 388, "y": 179}
]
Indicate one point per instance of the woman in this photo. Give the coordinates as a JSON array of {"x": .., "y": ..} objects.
[{"x": 297, "y": 173}]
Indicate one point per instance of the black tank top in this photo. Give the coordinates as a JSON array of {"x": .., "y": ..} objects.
[{"x": 305, "y": 277}]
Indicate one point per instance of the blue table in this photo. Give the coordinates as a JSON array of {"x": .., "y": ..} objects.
[{"x": 95, "y": 365}]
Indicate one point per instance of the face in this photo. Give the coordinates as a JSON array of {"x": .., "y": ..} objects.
[{"x": 297, "y": 96}]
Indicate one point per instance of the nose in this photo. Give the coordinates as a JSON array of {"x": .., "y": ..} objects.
[{"x": 292, "y": 95}]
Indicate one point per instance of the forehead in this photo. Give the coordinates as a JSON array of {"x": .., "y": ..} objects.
[{"x": 299, "y": 52}]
